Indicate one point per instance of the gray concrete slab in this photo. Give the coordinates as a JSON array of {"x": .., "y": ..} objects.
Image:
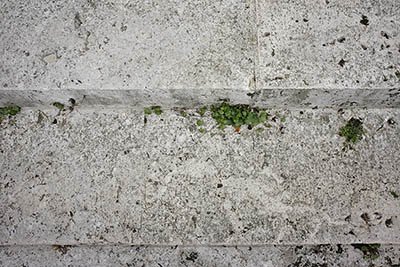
[
  {"x": 127, "y": 44},
  {"x": 329, "y": 44},
  {"x": 179, "y": 53},
  {"x": 114, "y": 176},
  {"x": 266, "y": 256}
]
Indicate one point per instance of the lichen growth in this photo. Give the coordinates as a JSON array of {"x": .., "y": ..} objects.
[
  {"x": 9, "y": 111},
  {"x": 153, "y": 110},
  {"x": 226, "y": 114},
  {"x": 352, "y": 131},
  {"x": 370, "y": 251}
]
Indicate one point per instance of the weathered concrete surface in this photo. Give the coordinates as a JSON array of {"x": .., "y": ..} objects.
[
  {"x": 108, "y": 177},
  {"x": 127, "y": 44},
  {"x": 334, "y": 53},
  {"x": 265, "y": 256},
  {"x": 329, "y": 44}
]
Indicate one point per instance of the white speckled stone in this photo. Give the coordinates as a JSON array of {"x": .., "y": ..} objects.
[
  {"x": 106, "y": 177},
  {"x": 324, "y": 44}
]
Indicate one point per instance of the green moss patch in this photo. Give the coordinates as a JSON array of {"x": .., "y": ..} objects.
[
  {"x": 153, "y": 110},
  {"x": 226, "y": 114},
  {"x": 59, "y": 105},
  {"x": 9, "y": 111},
  {"x": 352, "y": 131}
]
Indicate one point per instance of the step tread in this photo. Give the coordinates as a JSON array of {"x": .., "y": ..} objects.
[
  {"x": 96, "y": 176},
  {"x": 267, "y": 256}
]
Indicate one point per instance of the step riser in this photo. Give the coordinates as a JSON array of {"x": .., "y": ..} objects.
[{"x": 268, "y": 98}]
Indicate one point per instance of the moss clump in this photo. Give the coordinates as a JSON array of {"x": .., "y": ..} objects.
[
  {"x": 59, "y": 105},
  {"x": 202, "y": 111},
  {"x": 226, "y": 114},
  {"x": 352, "y": 131},
  {"x": 370, "y": 251},
  {"x": 9, "y": 111},
  {"x": 153, "y": 110},
  {"x": 199, "y": 122}
]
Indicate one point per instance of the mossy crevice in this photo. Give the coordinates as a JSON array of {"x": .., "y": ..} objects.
[
  {"x": 236, "y": 116},
  {"x": 153, "y": 110}
]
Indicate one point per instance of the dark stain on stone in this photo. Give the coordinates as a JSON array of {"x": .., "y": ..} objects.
[
  {"x": 62, "y": 249},
  {"x": 384, "y": 34},
  {"x": 341, "y": 39},
  {"x": 364, "y": 20},
  {"x": 192, "y": 256},
  {"x": 389, "y": 223},
  {"x": 391, "y": 121},
  {"x": 365, "y": 218},
  {"x": 219, "y": 185},
  {"x": 77, "y": 21},
  {"x": 342, "y": 62}
]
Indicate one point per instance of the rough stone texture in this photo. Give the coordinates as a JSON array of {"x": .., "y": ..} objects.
[
  {"x": 329, "y": 44},
  {"x": 184, "y": 53},
  {"x": 118, "y": 177},
  {"x": 266, "y": 256},
  {"x": 127, "y": 44}
]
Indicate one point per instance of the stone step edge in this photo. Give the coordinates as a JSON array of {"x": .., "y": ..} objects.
[{"x": 271, "y": 98}]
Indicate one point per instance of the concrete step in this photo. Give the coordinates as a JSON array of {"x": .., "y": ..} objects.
[
  {"x": 251, "y": 256},
  {"x": 121, "y": 177},
  {"x": 178, "y": 53}
]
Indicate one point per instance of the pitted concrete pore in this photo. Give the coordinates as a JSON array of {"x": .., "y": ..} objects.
[
  {"x": 106, "y": 177},
  {"x": 207, "y": 256}
]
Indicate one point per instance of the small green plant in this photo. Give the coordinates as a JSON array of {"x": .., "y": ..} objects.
[
  {"x": 199, "y": 122},
  {"x": 202, "y": 111},
  {"x": 183, "y": 113},
  {"x": 153, "y": 109},
  {"x": 59, "y": 105},
  {"x": 352, "y": 131},
  {"x": 226, "y": 114},
  {"x": 9, "y": 111},
  {"x": 370, "y": 251},
  {"x": 394, "y": 194},
  {"x": 202, "y": 130}
]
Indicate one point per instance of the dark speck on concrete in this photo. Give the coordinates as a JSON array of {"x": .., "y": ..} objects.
[
  {"x": 342, "y": 62},
  {"x": 384, "y": 34},
  {"x": 192, "y": 256},
  {"x": 364, "y": 20}
]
